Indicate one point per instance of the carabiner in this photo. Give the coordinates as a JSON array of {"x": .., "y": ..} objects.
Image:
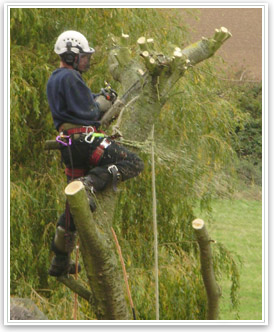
[
  {"x": 88, "y": 136},
  {"x": 94, "y": 135},
  {"x": 59, "y": 139}
]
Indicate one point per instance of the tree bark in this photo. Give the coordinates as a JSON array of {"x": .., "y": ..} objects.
[
  {"x": 102, "y": 268},
  {"x": 212, "y": 289},
  {"x": 145, "y": 87}
]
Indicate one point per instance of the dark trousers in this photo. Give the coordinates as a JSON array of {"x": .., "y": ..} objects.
[{"x": 78, "y": 156}]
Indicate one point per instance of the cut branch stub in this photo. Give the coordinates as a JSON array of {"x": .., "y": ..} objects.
[
  {"x": 103, "y": 271},
  {"x": 142, "y": 42},
  {"x": 222, "y": 34},
  {"x": 206, "y": 47},
  {"x": 124, "y": 39},
  {"x": 211, "y": 286},
  {"x": 198, "y": 224}
]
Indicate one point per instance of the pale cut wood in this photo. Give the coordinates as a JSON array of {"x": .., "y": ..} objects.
[
  {"x": 145, "y": 54},
  {"x": 73, "y": 188},
  {"x": 198, "y": 223},
  {"x": 141, "y": 40}
]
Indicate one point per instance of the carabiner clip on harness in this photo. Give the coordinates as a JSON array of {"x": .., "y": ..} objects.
[
  {"x": 92, "y": 135},
  {"x": 61, "y": 137}
]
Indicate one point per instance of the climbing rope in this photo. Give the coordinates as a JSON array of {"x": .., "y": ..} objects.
[
  {"x": 124, "y": 272},
  {"x": 75, "y": 307},
  {"x": 154, "y": 213}
]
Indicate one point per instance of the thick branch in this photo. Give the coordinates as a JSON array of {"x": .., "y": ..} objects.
[
  {"x": 206, "y": 47},
  {"x": 97, "y": 248},
  {"x": 212, "y": 288}
]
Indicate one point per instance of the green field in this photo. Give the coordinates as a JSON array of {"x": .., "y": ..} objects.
[{"x": 238, "y": 225}]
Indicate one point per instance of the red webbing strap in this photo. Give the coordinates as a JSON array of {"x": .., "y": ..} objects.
[
  {"x": 96, "y": 156},
  {"x": 80, "y": 130},
  {"x": 67, "y": 225},
  {"x": 76, "y": 172}
]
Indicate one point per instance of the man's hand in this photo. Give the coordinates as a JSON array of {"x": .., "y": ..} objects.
[{"x": 109, "y": 93}]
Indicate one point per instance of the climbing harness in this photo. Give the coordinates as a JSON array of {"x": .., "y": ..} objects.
[
  {"x": 98, "y": 152},
  {"x": 65, "y": 138},
  {"x": 77, "y": 172},
  {"x": 90, "y": 133}
]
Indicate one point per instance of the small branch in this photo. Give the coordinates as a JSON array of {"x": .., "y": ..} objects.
[
  {"x": 115, "y": 128},
  {"x": 117, "y": 107},
  {"x": 112, "y": 113},
  {"x": 150, "y": 62},
  {"x": 52, "y": 145},
  {"x": 222, "y": 34},
  {"x": 211, "y": 286},
  {"x": 142, "y": 42},
  {"x": 150, "y": 44},
  {"x": 76, "y": 287},
  {"x": 124, "y": 39}
]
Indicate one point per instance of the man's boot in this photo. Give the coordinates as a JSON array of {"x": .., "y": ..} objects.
[{"x": 63, "y": 245}]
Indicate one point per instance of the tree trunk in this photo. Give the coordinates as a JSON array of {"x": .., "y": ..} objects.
[
  {"x": 212, "y": 289},
  {"x": 145, "y": 86}
]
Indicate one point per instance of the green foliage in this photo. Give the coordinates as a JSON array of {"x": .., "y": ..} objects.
[
  {"x": 250, "y": 136},
  {"x": 248, "y": 144},
  {"x": 194, "y": 150}
]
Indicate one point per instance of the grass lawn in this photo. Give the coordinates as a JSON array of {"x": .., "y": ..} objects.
[{"x": 238, "y": 225}]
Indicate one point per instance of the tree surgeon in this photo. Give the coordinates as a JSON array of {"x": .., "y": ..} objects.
[{"x": 88, "y": 154}]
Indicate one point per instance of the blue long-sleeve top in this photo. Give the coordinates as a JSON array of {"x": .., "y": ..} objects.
[{"x": 70, "y": 99}]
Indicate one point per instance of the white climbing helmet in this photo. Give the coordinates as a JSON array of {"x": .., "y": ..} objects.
[{"x": 72, "y": 41}]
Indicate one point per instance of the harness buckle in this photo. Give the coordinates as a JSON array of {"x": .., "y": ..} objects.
[
  {"x": 105, "y": 143},
  {"x": 113, "y": 168}
]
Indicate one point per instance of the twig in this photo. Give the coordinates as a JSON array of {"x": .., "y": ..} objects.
[{"x": 117, "y": 125}]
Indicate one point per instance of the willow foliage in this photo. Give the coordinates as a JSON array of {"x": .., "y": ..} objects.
[{"x": 194, "y": 158}]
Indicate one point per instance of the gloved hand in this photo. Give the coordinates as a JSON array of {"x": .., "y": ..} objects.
[
  {"x": 106, "y": 98},
  {"x": 109, "y": 94}
]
